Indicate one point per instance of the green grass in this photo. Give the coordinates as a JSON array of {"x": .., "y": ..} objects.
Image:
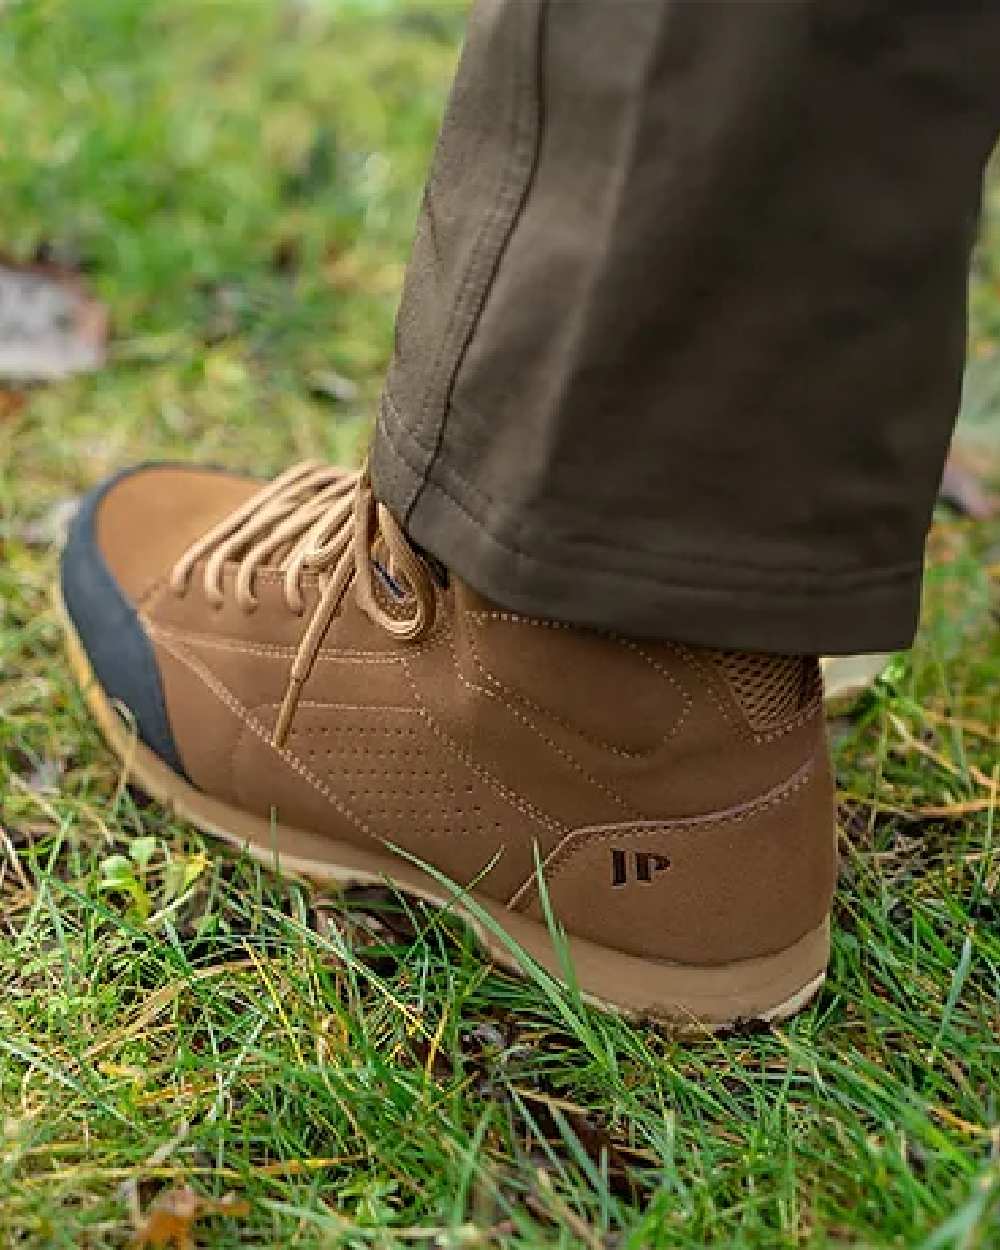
[{"x": 239, "y": 181}]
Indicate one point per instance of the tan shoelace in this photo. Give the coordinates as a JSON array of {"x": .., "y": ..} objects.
[{"x": 315, "y": 520}]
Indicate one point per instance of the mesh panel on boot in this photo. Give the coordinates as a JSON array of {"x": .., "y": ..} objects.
[{"x": 771, "y": 689}]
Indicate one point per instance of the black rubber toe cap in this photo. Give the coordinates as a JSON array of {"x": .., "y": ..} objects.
[{"x": 120, "y": 653}]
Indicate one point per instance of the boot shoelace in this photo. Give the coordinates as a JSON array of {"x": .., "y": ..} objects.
[{"x": 316, "y": 520}]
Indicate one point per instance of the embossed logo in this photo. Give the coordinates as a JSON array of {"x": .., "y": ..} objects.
[{"x": 641, "y": 866}]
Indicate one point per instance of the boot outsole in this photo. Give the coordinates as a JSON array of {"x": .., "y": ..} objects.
[{"x": 687, "y": 998}]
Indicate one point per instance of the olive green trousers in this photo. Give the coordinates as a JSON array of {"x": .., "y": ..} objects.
[{"x": 682, "y": 335}]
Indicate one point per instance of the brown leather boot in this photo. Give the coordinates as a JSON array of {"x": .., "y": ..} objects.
[{"x": 299, "y": 680}]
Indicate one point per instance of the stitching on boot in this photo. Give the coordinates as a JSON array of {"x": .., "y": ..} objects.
[
  {"x": 354, "y": 769},
  {"x": 271, "y": 650},
  {"x": 562, "y": 722},
  {"x": 242, "y": 714},
  {"x": 685, "y": 654},
  {"x": 574, "y": 763},
  {"x": 714, "y": 679},
  {"x": 522, "y": 805},
  {"x": 577, "y": 839}
]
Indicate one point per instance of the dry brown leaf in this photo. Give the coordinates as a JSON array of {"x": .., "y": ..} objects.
[
  {"x": 171, "y": 1218},
  {"x": 11, "y": 403}
]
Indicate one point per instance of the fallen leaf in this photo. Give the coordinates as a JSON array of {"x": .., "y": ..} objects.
[
  {"x": 50, "y": 327},
  {"x": 172, "y": 1216},
  {"x": 11, "y": 403}
]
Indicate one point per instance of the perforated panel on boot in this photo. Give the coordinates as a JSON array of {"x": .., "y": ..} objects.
[{"x": 394, "y": 774}]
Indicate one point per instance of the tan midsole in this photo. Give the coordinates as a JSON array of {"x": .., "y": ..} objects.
[{"x": 769, "y": 987}]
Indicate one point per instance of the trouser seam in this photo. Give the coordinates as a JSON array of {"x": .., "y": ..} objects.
[{"x": 487, "y": 251}]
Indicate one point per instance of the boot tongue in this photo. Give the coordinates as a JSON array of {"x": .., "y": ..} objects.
[
  {"x": 380, "y": 562},
  {"x": 389, "y": 583}
]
